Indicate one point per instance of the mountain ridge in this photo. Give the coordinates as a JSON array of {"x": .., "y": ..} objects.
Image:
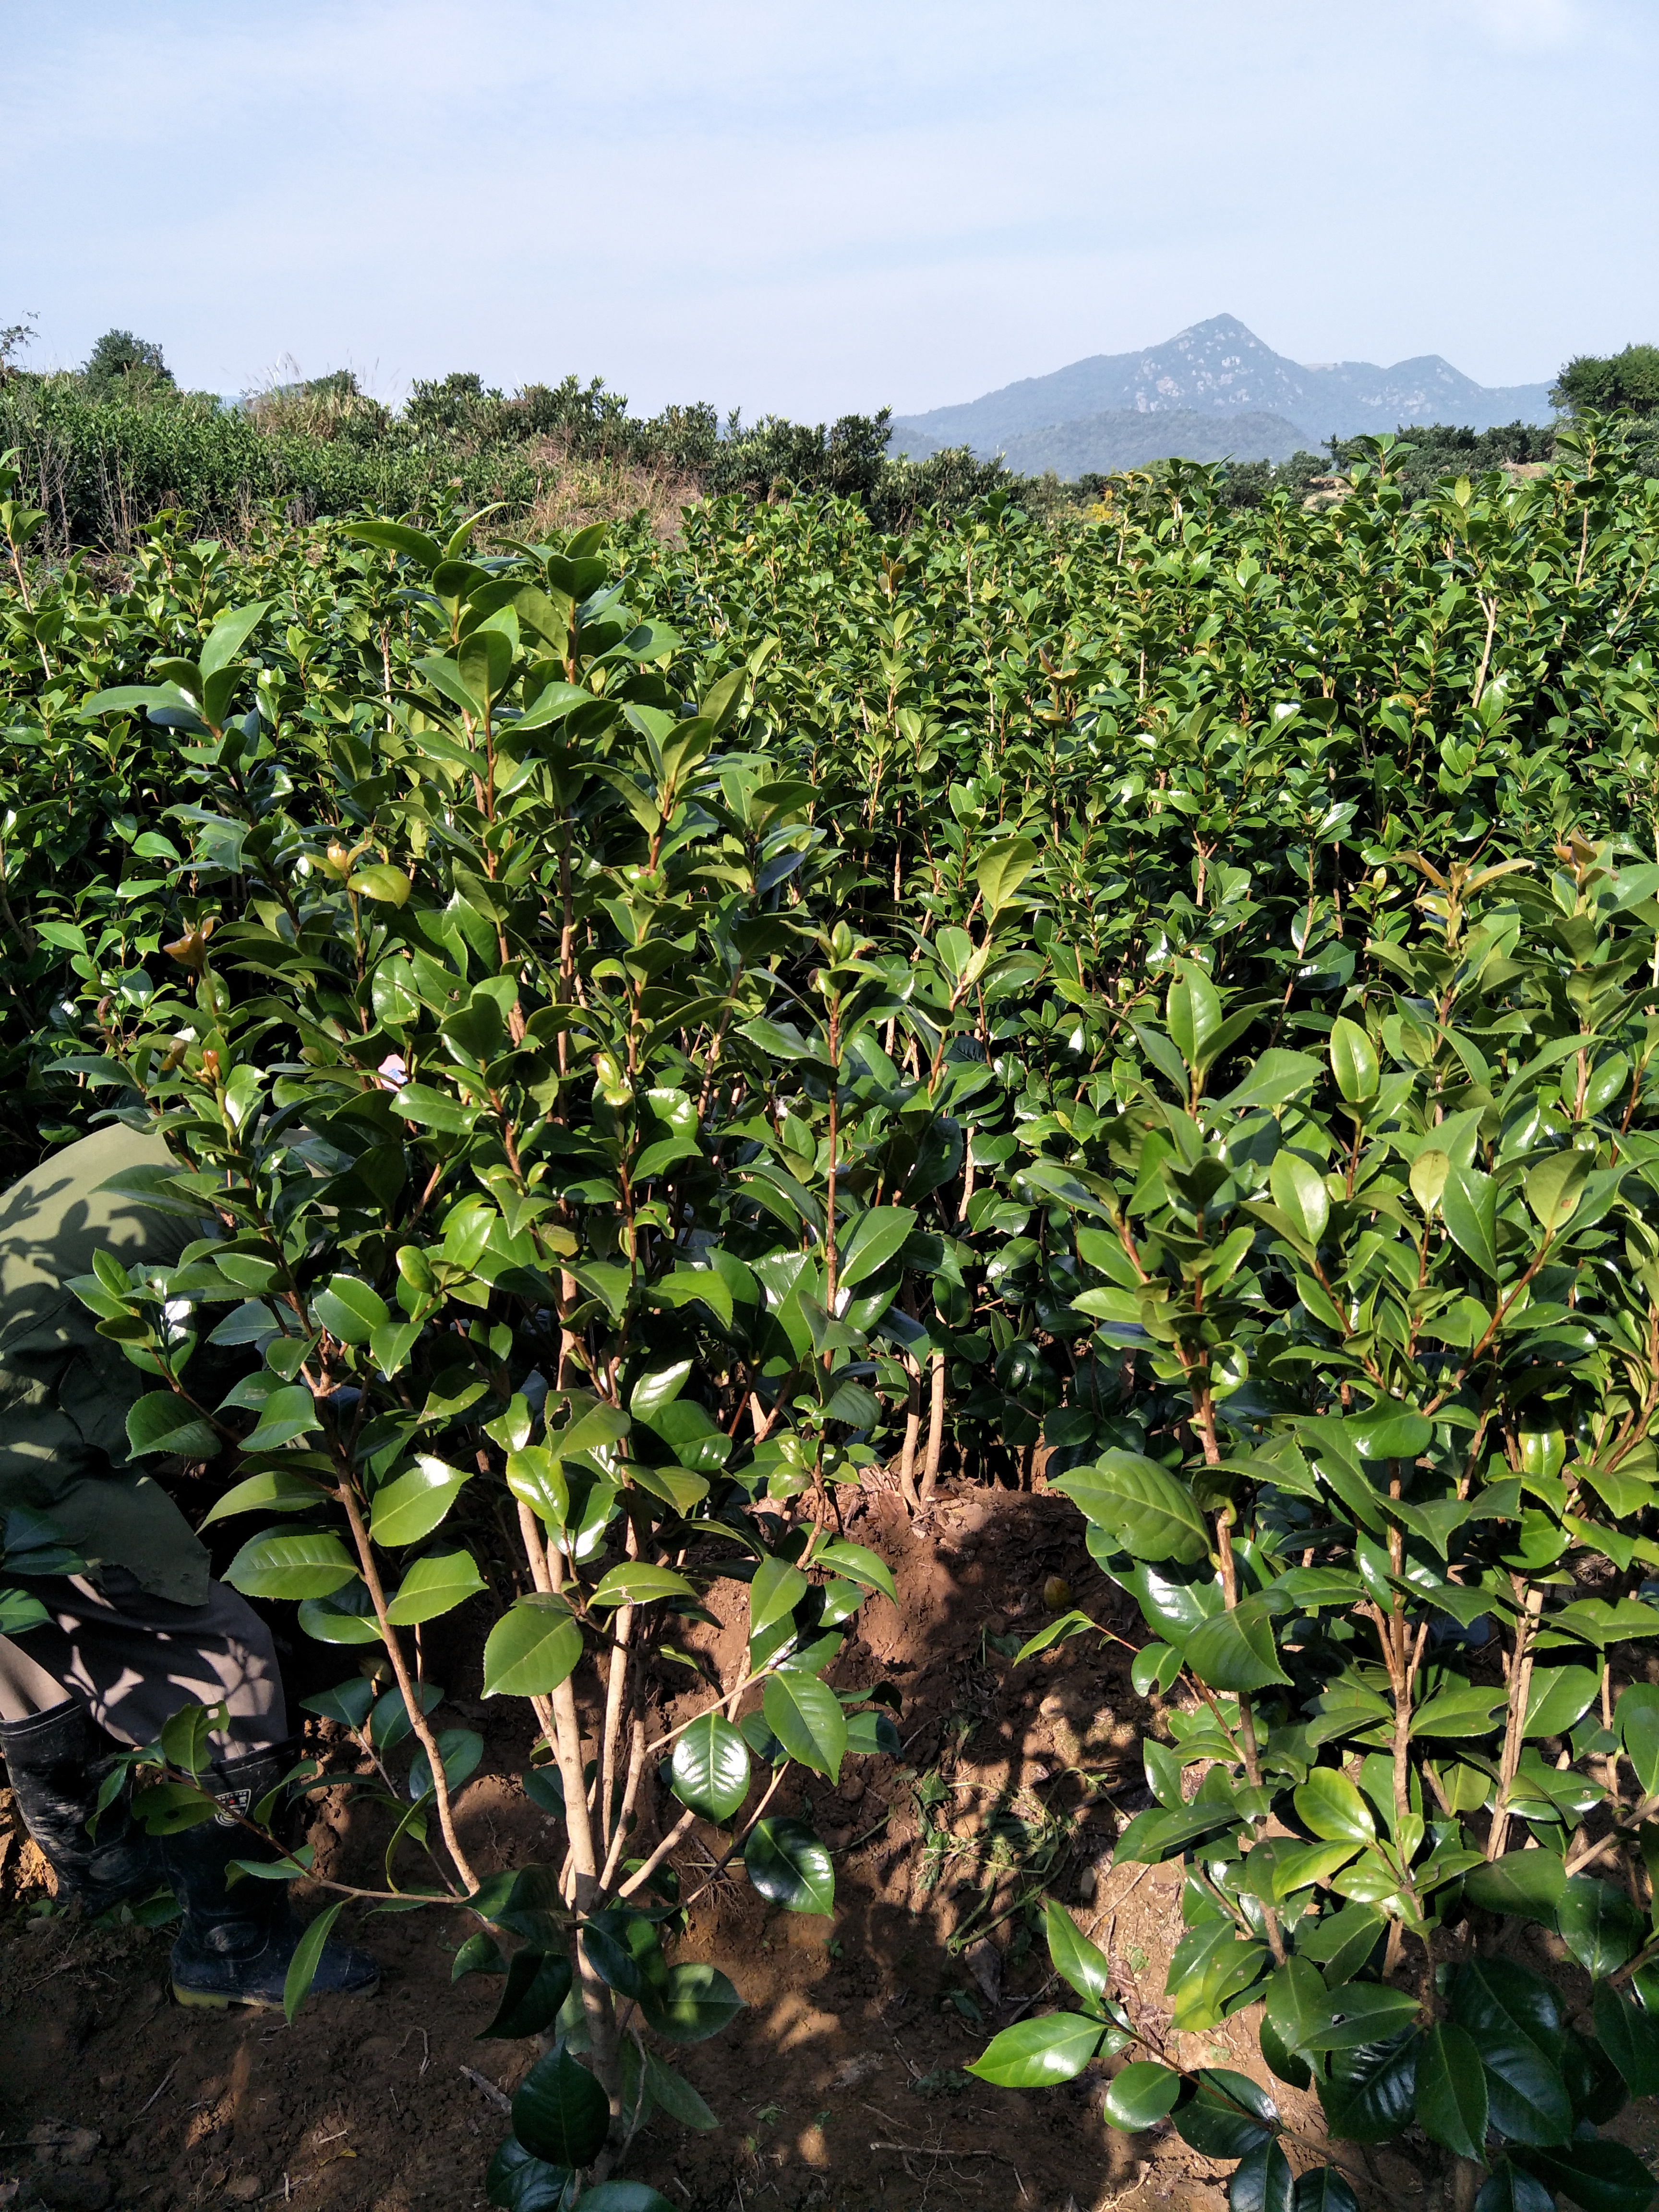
[{"x": 1219, "y": 367}]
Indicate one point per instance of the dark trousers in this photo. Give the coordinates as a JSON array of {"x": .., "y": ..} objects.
[{"x": 136, "y": 1659}]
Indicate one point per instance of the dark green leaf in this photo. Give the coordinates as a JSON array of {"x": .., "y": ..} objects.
[
  {"x": 1223, "y": 2114},
  {"x": 1528, "y": 1884},
  {"x": 1596, "y": 2175},
  {"x": 1074, "y": 1957},
  {"x": 1262, "y": 2180},
  {"x": 1509, "y": 2189},
  {"x": 1630, "y": 2036},
  {"x": 1598, "y": 1924},
  {"x": 694, "y": 2002},
  {"x": 1451, "y": 2090},
  {"x": 1369, "y": 2092},
  {"x": 560, "y": 2113},
  {"x": 538, "y": 1983},
  {"x": 1323, "y": 2189},
  {"x": 1330, "y": 1805},
  {"x": 1236, "y": 1650},
  {"x": 1513, "y": 2019},
  {"x": 1355, "y": 2013}
]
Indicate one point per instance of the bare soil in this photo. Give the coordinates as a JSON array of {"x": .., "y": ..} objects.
[{"x": 842, "y": 2084}]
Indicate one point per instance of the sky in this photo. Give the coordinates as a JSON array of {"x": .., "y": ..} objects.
[{"x": 813, "y": 210}]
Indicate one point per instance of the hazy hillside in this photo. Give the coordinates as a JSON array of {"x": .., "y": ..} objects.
[
  {"x": 1122, "y": 438},
  {"x": 1220, "y": 368}
]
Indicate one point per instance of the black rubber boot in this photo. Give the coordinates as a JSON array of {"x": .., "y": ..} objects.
[
  {"x": 57, "y": 1761},
  {"x": 237, "y": 1943}
]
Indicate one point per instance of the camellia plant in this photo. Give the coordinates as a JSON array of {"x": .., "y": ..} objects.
[
  {"x": 1407, "y": 1292},
  {"x": 470, "y": 1084}
]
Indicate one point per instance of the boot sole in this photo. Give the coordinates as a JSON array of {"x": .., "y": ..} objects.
[{"x": 211, "y": 2002}]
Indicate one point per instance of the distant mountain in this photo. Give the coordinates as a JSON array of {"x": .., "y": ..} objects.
[
  {"x": 1124, "y": 438},
  {"x": 1220, "y": 368}
]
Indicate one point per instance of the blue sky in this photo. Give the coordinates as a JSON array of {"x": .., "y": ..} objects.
[{"x": 817, "y": 209}]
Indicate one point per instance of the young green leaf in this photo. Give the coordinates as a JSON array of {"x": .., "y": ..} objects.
[
  {"x": 1034, "y": 2054},
  {"x": 1140, "y": 2094}
]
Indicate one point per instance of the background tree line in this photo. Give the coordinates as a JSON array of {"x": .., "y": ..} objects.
[{"x": 108, "y": 446}]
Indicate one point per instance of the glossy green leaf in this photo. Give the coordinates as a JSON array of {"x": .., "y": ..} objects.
[
  {"x": 1355, "y": 2013},
  {"x": 1630, "y": 2036},
  {"x": 1035, "y": 2054},
  {"x": 1369, "y": 2092},
  {"x": 412, "y": 1506},
  {"x": 286, "y": 1414},
  {"x": 1148, "y": 1512},
  {"x": 1225, "y": 2114},
  {"x": 1262, "y": 2180},
  {"x": 307, "y": 1957},
  {"x": 348, "y": 1308},
  {"x": 162, "y": 1422},
  {"x": 303, "y": 1564},
  {"x": 1513, "y": 2019},
  {"x": 1299, "y": 1192},
  {"x": 775, "y": 1591},
  {"x": 1353, "y": 1061},
  {"x": 637, "y": 1582},
  {"x": 858, "y": 1563},
  {"x": 709, "y": 1767},
  {"x": 808, "y": 1720},
  {"x": 1074, "y": 1957},
  {"x": 1328, "y": 1803},
  {"x": 1509, "y": 2189},
  {"x": 788, "y": 1866},
  {"x": 1323, "y": 2189},
  {"x": 533, "y": 1648},
  {"x": 276, "y": 1488},
  {"x": 1528, "y": 1884},
  {"x": 1598, "y": 2176},
  {"x": 434, "y": 1586},
  {"x": 875, "y": 1238},
  {"x": 1554, "y": 1186},
  {"x": 1236, "y": 1650},
  {"x": 1468, "y": 1206}
]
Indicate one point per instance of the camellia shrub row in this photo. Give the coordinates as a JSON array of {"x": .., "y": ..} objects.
[{"x": 1170, "y": 1002}]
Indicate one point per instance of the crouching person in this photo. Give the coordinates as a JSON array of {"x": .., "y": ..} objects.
[{"x": 145, "y": 1631}]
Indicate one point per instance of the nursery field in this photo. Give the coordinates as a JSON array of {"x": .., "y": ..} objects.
[{"x": 933, "y": 1320}]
